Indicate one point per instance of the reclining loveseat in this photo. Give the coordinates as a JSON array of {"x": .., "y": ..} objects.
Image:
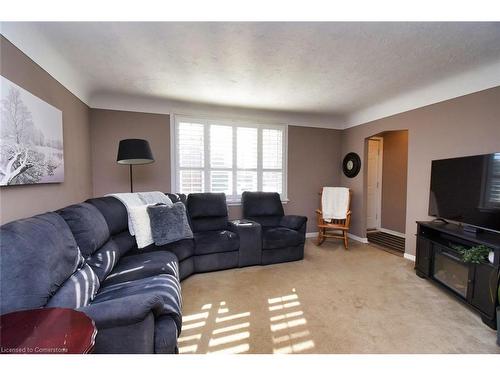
[{"x": 283, "y": 236}]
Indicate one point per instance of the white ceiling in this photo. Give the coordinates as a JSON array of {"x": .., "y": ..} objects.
[{"x": 358, "y": 71}]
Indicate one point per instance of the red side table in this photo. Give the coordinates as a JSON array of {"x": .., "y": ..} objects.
[{"x": 47, "y": 331}]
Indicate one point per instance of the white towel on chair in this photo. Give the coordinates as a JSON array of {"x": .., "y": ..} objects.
[{"x": 335, "y": 203}]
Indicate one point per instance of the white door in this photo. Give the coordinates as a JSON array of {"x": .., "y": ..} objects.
[{"x": 374, "y": 183}]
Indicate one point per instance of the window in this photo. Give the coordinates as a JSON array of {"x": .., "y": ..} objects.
[{"x": 228, "y": 157}]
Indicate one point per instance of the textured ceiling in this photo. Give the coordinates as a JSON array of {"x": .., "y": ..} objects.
[{"x": 327, "y": 68}]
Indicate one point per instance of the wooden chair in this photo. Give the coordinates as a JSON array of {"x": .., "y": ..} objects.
[{"x": 337, "y": 228}]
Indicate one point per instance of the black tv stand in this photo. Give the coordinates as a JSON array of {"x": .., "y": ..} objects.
[
  {"x": 440, "y": 219},
  {"x": 438, "y": 260},
  {"x": 471, "y": 230}
]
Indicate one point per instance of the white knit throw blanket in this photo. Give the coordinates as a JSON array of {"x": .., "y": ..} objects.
[{"x": 139, "y": 199}]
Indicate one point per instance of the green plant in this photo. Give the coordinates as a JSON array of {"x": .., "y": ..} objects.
[
  {"x": 478, "y": 254},
  {"x": 475, "y": 254}
]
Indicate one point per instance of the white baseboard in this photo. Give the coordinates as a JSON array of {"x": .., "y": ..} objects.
[
  {"x": 393, "y": 232},
  {"x": 351, "y": 236},
  {"x": 409, "y": 257},
  {"x": 356, "y": 238},
  {"x": 362, "y": 240}
]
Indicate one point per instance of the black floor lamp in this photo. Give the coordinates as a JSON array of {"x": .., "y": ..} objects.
[{"x": 134, "y": 152}]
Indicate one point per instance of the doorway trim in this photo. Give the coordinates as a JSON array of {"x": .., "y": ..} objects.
[{"x": 380, "y": 158}]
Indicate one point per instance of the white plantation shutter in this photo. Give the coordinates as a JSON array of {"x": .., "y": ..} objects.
[
  {"x": 191, "y": 146},
  {"x": 246, "y": 159},
  {"x": 221, "y": 146},
  {"x": 272, "y": 160},
  {"x": 221, "y": 157},
  {"x": 246, "y": 181},
  {"x": 272, "y": 181},
  {"x": 272, "y": 148},
  {"x": 191, "y": 181},
  {"x": 228, "y": 157},
  {"x": 246, "y": 148},
  {"x": 221, "y": 182}
]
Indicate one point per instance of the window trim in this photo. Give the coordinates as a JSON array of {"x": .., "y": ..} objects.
[{"x": 175, "y": 119}]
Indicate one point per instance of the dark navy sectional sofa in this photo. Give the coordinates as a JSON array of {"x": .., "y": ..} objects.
[{"x": 83, "y": 257}]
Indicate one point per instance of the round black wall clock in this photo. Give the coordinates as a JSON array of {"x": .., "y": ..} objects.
[{"x": 351, "y": 164}]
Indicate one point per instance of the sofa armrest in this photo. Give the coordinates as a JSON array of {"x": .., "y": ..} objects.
[
  {"x": 294, "y": 222},
  {"x": 241, "y": 225},
  {"x": 250, "y": 234},
  {"x": 123, "y": 311}
]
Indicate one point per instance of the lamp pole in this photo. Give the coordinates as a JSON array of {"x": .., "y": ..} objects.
[{"x": 131, "y": 180}]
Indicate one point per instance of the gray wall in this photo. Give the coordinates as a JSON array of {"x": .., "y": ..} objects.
[
  {"x": 27, "y": 200},
  {"x": 467, "y": 125},
  {"x": 107, "y": 129},
  {"x": 313, "y": 159},
  {"x": 394, "y": 170}
]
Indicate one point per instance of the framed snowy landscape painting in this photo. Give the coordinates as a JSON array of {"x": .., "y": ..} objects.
[{"x": 31, "y": 138}]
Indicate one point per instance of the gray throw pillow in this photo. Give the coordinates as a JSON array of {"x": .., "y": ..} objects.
[{"x": 169, "y": 223}]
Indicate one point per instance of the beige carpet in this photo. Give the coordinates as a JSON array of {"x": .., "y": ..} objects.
[{"x": 363, "y": 300}]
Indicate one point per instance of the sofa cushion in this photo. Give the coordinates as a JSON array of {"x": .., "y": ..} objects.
[
  {"x": 205, "y": 224},
  {"x": 169, "y": 223},
  {"x": 37, "y": 255},
  {"x": 140, "y": 266},
  {"x": 177, "y": 197},
  {"x": 267, "y": 221},
  {"x": 275, "y": 238},
  {"x": 217, "y": 241},
  {"x": 106, "y": 257},
  {"x": 87, "y": 225},
  {"x": 186, "y": 268},
  {"x": 294, "y": 222},
  {"x": 207, "y": 211},
  {"x": 182, "y": 249},
  {"x": 131, "y": 301},
  {"x": 78, "y": 291},
  {"x": 261, "y": 204},
  {"x": 215, "y": 261},
  {"x": 125, "y": 241},
  {"x": 113, "y": 211},
  {"x": 206, "y": 205}
]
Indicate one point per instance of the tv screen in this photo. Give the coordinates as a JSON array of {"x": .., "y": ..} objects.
[{"x": 467, "y": 190}]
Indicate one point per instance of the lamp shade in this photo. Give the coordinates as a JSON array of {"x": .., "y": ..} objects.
[{"x": 134, "y": 151}]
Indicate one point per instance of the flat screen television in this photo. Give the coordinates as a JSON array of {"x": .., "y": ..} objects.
[{"x": 467, "y": 190}]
